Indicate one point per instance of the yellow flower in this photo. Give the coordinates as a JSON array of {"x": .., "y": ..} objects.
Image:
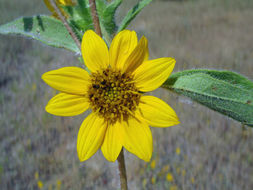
[
  {"x": 58, "y": 184},
  {"x": 178, "y": 151},
  {"x": 121, "y": 114},
  {"x": 169, "y": 177},
  {"x": 153, "y": 180},
  {"x": 173, "y": 187},
  {"x": 59, "y": 3},
  {"x": 36, "y": 175},
  {"x": 192, "y": 180},
  {"x": 40, "y": 184},
  {"x": 183, "y": 172},
  {"x": 153, "y": 164},
  {"x": 65, "y": 2}
]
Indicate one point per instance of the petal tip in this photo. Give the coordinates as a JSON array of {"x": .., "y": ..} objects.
[
  {"x": 147, "y": 159},
  {"x": 177, "y": 123},
  {"x": 46, "y": 109},
  {"x": 43, "y": 77},
  {"x": 110, "y": 159},
  {"x": 82, "y": 157},
  {"x": 88, "y": 31}
]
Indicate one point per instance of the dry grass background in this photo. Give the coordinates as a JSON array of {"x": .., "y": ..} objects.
[{"x": 215, "y": 153}]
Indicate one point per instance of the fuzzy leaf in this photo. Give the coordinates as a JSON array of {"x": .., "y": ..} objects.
[
  {"x": 223, "y": 91},
  {"x": 80, "y": 16},
  {"x": 106, "y": 13},
  {"x": 132, "y": 14},
  {"x": 109, "y": 16},
  {"x": 101, "y": 5},
  {"x": 43, "y": 28}
]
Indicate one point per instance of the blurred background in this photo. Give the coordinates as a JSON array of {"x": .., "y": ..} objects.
[{"x": 206, "y": 151}]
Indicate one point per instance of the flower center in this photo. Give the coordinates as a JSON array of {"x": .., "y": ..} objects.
[{"x": 113, "y": 95}]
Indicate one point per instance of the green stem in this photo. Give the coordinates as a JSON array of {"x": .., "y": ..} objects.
[{"x": 122, "y": 170}]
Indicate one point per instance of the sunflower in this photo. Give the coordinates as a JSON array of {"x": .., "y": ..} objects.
[{"x": 113, "y": 90}]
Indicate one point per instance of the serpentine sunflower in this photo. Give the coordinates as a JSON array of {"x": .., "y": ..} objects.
[{"x": 121, "y": 114}]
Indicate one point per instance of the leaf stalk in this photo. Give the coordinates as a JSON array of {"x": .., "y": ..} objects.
[{"x": 95, "y": 17}]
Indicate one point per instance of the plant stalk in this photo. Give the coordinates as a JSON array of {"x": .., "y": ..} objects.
[
  {"x": 64, "y": 21},
  {"x": 122, "y": 170},
  {"x": 95, "y": 17},
  {"x": 121, "y": 159}
]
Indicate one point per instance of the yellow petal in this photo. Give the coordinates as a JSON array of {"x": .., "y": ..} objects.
[
  {"x": 121, "y": 47},
  {"x": 112, "y": 144},
  {"x": 95, "y": 52},
  {"x": 67, "y": 105},
  {"x": 49, "y": 6},
  {"x": 153, "y": 73},
  {"x": 65, "y": 2},
  {"x": 71, "y": 80},
  {"x": 137, "y": 138},
  {"x": 138, "y": 56},
  {"x": 90, "y": 136},
  {"x": 157, "y": 113},
  {"x": 58, "y": 3}
]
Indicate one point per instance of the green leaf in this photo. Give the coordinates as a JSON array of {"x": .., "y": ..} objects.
[
  {"x": 80, "y": 16},
  {"x": 132, "y": 14},
  {"x": 223, "y": 91},
  {"x": 109, "y": 16},
  {"x": 43, "y": 28},
  {"x": 101, "y": 5},
  {"x": 106, "y": 13}
]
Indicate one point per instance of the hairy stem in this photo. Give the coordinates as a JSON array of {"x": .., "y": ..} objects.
[
  {"x": 95, "y": 17},
  {"x": 122, "y": 170},
  {"x": 64, "y": 21}
]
